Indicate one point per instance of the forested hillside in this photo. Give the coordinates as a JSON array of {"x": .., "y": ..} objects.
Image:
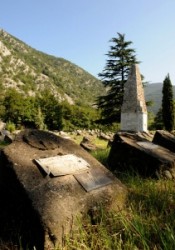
[
  {"x": 43, "y": 91},
  {"x": 30, "y": 71}
]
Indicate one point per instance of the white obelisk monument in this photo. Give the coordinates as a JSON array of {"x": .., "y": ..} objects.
[{"x": 134, "y": 111}]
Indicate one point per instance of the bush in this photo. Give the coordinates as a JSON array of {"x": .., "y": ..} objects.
[{"x": 10, "y": 126}]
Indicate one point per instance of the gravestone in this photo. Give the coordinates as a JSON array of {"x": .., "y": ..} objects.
[
  {"x": 131, "y": 151},
  {"x": 165, "y": 139},
  {"x": 87, "y": 144},
  {"x": 134, "y": 111},
  {"x": 60, "y": 179}
]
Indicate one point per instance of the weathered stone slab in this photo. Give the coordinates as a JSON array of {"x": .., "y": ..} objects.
[
  {"x": 63, "y": 164},
  {"x": 149, "y": 159},
  {"x": 147, "y": 145},
  {"x": 56, "y": 200},
  {"x": 165, "y": 139},
  {"x": 93, "y": 179},
  {"x": 87, "y": 144}
]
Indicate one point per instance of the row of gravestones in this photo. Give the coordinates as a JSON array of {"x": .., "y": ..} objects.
[
  {"x": 88, "y": 133},
  {"x": 86, "y": 143}
]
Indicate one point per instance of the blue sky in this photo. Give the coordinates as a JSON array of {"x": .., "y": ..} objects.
[{"x": 80, "y": 30}]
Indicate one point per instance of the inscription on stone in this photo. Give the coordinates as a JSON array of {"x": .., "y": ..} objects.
[
  {"x": 93, "y": 179},
  {"x": 63, "y": 165}
]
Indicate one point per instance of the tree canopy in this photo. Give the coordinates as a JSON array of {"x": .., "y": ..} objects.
[
  {"x": 38, "y": 112},
  {"x": 44, "y": 111}
]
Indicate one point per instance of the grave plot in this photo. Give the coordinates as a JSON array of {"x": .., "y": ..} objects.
[
  {"x": 145, "y": 157},
  {"x": 61, "y": 181}
]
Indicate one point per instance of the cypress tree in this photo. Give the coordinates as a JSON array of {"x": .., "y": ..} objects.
[
  {"x": 114, "y": 76},
  {"x": 167, "y": 104}
]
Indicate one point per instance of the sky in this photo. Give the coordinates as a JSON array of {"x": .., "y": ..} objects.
[{"x": 80, "y": 31}]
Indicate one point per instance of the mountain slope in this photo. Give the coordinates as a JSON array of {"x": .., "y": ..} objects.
[
  {"x": 31, "y": 71},
  {"x": 153, "y": 92}
]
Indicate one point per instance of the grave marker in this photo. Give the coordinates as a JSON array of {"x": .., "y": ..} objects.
[
  {"x": 63, "y": 164},
  {"x": 93, "y": 179}
]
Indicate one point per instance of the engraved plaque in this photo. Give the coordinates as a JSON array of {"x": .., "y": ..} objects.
[
  {"x": 93, "y": 179},
  {"x": 63, "y": 165}
]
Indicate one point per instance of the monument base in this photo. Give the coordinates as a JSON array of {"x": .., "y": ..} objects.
[{"x": 134, "y": 122}]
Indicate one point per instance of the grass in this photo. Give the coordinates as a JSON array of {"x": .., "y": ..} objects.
[
  {"x": 146, "y": 222},
  {"x": 101, "y": 155},
  {"x": 102, "y": 144}
]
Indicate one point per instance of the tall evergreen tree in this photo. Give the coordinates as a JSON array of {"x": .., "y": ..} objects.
[
  {"x": 167, "y": 104},
  {"x": 114, "y": 76}
]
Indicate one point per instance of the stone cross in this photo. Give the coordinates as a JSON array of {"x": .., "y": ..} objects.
[{"x": 134, "y": 111}]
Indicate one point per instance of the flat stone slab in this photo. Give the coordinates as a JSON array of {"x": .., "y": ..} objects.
[
  {"x": 147, "y": 145},
  {"x": 93, "y": 179},
  {"x": 65, "y": 182}
]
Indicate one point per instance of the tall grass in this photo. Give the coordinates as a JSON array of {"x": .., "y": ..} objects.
[{"x": 101, "y": 155}]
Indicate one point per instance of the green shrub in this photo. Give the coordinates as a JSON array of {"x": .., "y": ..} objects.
[{"x": 10, "y": 126}]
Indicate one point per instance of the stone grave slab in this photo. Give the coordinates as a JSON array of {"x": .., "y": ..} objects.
[
  {"x": 60, "y": 200},
  {"x": 165, "y": 139},
  {"x": 147, "y": 144},
  {"x": 146, "y": 158}
]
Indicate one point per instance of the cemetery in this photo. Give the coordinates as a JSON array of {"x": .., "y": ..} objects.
[{"x": 56, "y": 181}]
